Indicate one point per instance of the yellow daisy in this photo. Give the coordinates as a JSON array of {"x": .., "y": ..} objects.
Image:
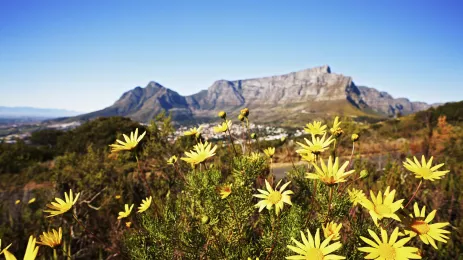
[
  {"x": 332, "y": 174},
  {"x": 388, "y": 248},
  {"x": 193, "y": 131},
  {"x": 51, "y": 238},
  {"x": 200, "y": 153},
  {"x": 225, "y": 191},
  {"x": 355, "y": 137},
  {"x": 382, "y": 206},
  {"x": 172, "y": 160},
  {"x": 31, "y": 251},
  {"x": 336, "y": 125},
  {"x": 309, "y": 157},
  {"x": 316, "y": 146},
  {"x": 129, "y": 143},
  {"x": 312, "y": 248},
  {"x": 315, "y": 128},
  {"x": 332, "y": 230},
  {"x": 272, "y": 197},
  {"x": 4, "y": 249},
  {"x": 427, "y": 232},
  {"x": 424, "y": 170},
  {"x": 270, "y": 151},
  {"x": 356, "y": 196},
  {"x": 223, "y": 127},
  {"x": 63, "y": 205},
  {"x": 145, "y": 204},
  {"x": 126, "y": 212}
]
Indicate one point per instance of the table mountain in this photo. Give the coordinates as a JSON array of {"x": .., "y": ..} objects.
[{"x": 298, "y": 95}]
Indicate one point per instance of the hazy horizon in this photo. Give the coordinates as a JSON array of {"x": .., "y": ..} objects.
[{"x": 82, "y": 56}]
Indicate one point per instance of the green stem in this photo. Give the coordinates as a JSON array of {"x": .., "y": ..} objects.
[
  {"x": 329, "y": 203},
  {"x": 414, "y": 194},
  {"x": 231, "y": 141}
]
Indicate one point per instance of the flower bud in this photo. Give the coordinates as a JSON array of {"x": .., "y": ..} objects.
[
  {"x": 355, "y": 137},
  {"x": 241, "y": 117},
  {"x": 245, "y": 112},
  {"x": 205, "y": 220},
  {"x": 363, "y": 174},
  {"x": 254, "y": 136},
  {"x": 283, "y": 139},
  {"x": 222, "y": 114},
  {"x": 338, "y": 132}
]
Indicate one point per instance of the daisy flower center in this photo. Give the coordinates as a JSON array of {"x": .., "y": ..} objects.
[
  {"x": 382, "y": 209},
  {"x": 274, "y": 197},
  {"x": 420, "y": 227},
  {"x": 386, "y": 252},
  {"x": 314, "y": 254}
]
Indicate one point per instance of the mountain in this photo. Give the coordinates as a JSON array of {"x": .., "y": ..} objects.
[
  {"x": 32, "y": 112},
  {"x": 296, "y": 96}
]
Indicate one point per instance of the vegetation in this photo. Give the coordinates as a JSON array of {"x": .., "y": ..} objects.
[{"x": 156, "y": 197}]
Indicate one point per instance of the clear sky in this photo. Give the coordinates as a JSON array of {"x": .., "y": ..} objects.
[{"x": 82, "y": 55}]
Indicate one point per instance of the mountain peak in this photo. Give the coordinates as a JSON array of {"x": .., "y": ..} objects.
[
  {"x": 154, "y": 84},
  {"x": 325, "y": 69}
]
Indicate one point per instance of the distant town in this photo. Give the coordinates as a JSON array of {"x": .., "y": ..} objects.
[{"x": 12, "y": 133}]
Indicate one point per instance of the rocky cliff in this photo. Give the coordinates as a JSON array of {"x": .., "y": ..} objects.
[{"x": 311, "y": 91}]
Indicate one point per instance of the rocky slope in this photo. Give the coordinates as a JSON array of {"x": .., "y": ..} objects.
[{"x": 314, "y": 91}]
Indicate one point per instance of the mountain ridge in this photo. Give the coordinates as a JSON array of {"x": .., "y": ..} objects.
[{"x": 303, "y": 90}]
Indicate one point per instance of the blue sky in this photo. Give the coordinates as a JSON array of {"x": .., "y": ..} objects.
[{"x": 82, "y": 55}]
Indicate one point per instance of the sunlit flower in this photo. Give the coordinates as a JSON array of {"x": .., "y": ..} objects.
[
  {"x": 128, "y": 224},
  {"x": 315, "y": 128},
  {"x": 145, "y": 204},
  {"x": 424, "y": 170},
  {"x": 332, "y": 173},
  {"x": 273, "y": 197},
  {"x": 200, "y": 153},
  {"x": 356, "y": 196},
  {"x": 428, "y": 232},
  {"x": 312, "y": 248},
  {"x": 316, "y": 146},
  {"x": 388, "y": 248},
  {"x": 308, "y": 157},
  {"x": 126, "y": 212},
  {"x": 336, "y": 125},
  {"x": 63, "y": 205},
  {"x": 172, "y": 160},
  {"x": 129, "y": 143},
  {"x": 17, "y": 202},
  {"x": 193, "y": 131},
  {"x": 332, "y": 229},
  {"x": 51, "y": 238},
  {"x": 223, "y": 127},
  {"x": 4, "y": 249},
  {"x": 355, "y": 137},
  {"x": 225, "y": 191},
  {"x": 382, "y": 206},
  {"x": 31, "y": 201},
  {"x": 31, "y": 251},
  {"x": 270, "y": 151}
]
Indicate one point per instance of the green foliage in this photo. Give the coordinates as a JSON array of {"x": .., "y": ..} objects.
[{"x": 188, "y": 219}]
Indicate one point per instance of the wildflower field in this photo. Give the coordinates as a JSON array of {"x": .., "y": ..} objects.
[{"x": 113, "y": 189}]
